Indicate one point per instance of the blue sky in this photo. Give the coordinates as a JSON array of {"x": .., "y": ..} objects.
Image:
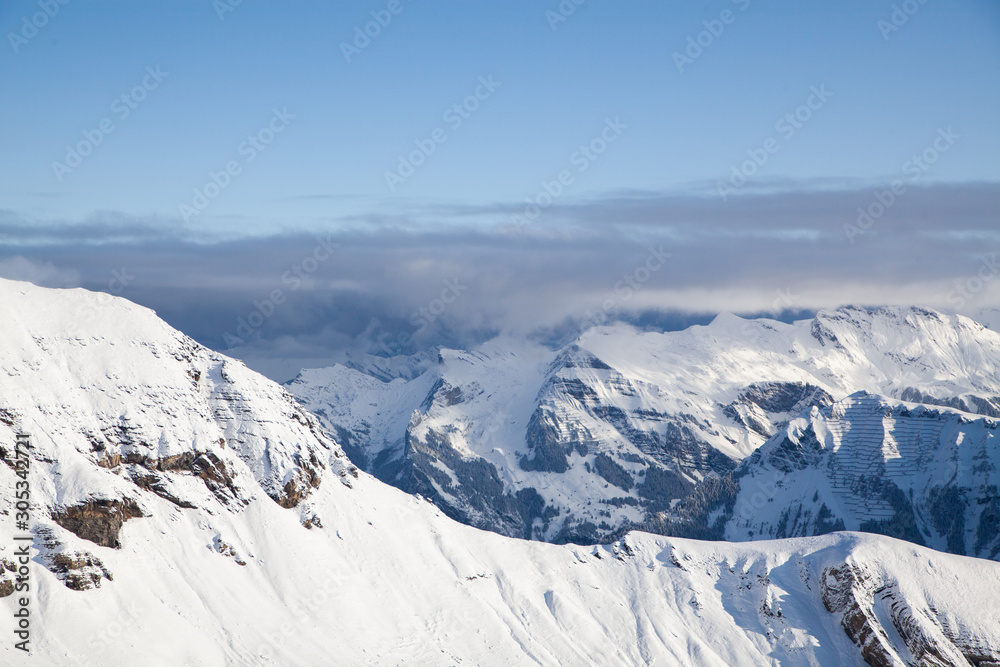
[
  {"x": 557, "y": 86},
  {"x": 580, "y": 149}
]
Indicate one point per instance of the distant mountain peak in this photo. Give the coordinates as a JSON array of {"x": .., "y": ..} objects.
[{"x": 615, "y": 427}]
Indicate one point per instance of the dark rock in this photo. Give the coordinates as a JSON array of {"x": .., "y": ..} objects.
[
  {"x": 79, "y": 571},
  {"x": 98, "y": 521},
  {"x": 8, "y": 570}
]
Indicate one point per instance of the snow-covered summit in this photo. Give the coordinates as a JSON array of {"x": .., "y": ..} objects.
[
  {"x": 102, "y": 381},
  {"x": 573, "y": 444}
]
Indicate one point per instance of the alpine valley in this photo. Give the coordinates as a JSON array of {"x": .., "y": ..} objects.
[{"x": 185, "y": 510}]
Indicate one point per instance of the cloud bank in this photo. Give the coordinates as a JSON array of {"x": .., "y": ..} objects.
[{"x": 457, "y": 275}]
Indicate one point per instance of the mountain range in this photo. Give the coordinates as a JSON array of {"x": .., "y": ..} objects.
[
  {"x": 624, "y": 429},
  {"x": 186, "y": 510}
]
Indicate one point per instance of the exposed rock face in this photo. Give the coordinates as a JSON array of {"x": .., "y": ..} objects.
[
  {"x": 617, "y": 429},
  {"x": 983, "y": 405},
  {"x": 8, "y": 570},
  {"x": 550, "y": 443},
  {"x": 156, "y": 475},
  {"x": 141, "y": 413},
  {"x": 862, "y": 601},
  {"x": 845, "y": 592},
  {"x": 98, "y": 521},
  {"x": 927, "y": 475},
  {"x": 756, "y": 405},
  {"x": 472, "y": 491},
  {"x": 78, "y": 570}
]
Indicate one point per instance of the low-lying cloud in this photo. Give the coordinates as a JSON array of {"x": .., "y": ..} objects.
[{"x": 664, "y": 260}]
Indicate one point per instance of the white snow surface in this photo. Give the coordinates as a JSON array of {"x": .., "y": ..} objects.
[
  {"x": 382, "y": 577},
  {"x": 698, "y": 370},
  {"x": 844, "y": 455},
  {"x": 662, "y": 383}
]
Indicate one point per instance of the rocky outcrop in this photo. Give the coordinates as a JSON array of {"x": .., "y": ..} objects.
[
  {"x": 305, "y": 478},
  {"x": 617, "y": 429},
  {"x": 845, "y": 592},
  {"x": 78, "y": 570},
  {"x": 98, "y": 521},
  {"x": 8, "y": 571},
  {"x": 857, "y": 596},
  {"x": 226, "y": 549}
]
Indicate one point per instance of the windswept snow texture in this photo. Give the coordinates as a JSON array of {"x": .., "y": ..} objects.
[
  {"x": 185, "y": 458},
  {"x": 614, "y": 430}
]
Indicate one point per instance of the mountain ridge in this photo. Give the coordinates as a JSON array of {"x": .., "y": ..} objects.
[
  {"x": 577, "y": 443},
  {"x": 172, "y": 559}
]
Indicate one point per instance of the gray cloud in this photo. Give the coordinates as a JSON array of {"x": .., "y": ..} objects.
[
  {"x": 99, "y": 227},
  {"x": 397, "y": 283},
  {"x": 45, "y": 274}
]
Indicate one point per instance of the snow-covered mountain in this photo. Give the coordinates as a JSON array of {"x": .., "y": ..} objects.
[
  {"x": 185, "y": 511},
  {"x": 929, "y": 475},
  {"x": 116, "y": 386},
  {"x": 577, "y": 444}
]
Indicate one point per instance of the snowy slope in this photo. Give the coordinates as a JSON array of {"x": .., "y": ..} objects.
[
  {"x": 415, "y": 588},
  {"x": 574, "y": 444},
  {"x": 119, "y": 388},
  {"x": 928, "y": 475},
  {"x": 216, "y": 560}
]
